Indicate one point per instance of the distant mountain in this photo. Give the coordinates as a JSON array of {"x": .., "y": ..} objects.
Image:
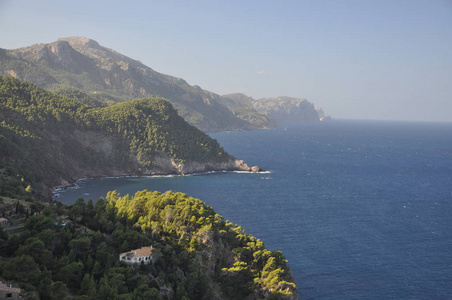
[
  {"x": 242, "y": 106},
  {"x": 106, "y": 75},
  {"x": 280, "y": 109},
  {"x": 49, "y": 140}
]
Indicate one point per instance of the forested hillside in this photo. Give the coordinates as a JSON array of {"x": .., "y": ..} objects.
[
  {"x": 73, "y": 253},
  {"x": 48, "y": 139}
]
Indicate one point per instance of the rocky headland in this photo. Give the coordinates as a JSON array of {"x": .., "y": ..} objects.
[{"x": 52, "y": 140}]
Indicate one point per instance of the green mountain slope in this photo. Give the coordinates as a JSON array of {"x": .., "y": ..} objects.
[
  {"x": 50, "y": 140},
  {"x": 196, "y": 253},
  {"x": 83, "y": 64}
]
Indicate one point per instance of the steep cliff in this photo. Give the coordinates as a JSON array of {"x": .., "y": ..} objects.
[
  {"x": 242, "y": 106},
  {"x": 280, "y": 109},
  {"x": 288, "y": 109}
]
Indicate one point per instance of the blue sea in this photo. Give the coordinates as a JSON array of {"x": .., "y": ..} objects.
[{"x": 361, "y": 209}]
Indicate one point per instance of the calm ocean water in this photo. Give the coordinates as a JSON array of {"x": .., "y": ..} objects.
[{"x": 361, "y": 209}]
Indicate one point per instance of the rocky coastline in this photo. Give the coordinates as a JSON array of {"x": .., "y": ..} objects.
[{"x": 170, "y": 168}]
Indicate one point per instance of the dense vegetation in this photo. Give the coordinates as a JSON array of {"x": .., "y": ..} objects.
[
  {"x": 80, "y": 96},
  {"x": 163, "y": 131},
  {"x": 72, "y": 253},
  {"x": 46, "y": 137}
]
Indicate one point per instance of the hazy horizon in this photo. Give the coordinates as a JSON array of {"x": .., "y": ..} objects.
[{"x": 380, "y": 60}]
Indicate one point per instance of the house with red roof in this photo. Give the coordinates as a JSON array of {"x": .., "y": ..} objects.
[{"x": 137, "y": 256}]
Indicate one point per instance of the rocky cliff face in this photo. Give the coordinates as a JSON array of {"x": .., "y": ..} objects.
[
  {"x": 288, "y": 109},
  {"x": 110, "y": 147},
  {"x": 218, "y": 251},
  {"x": 280, "y": 109},
  {"x": 113, "y": 159},
  {"x": 242, "y": 106}
]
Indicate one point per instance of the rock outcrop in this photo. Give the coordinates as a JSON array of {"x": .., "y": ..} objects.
[
  {"x": 284, "y": 109},
  {"x": 279, "y": 110},
  {"x": 201, "y": 167}
]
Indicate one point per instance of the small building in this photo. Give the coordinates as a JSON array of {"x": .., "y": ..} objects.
[
  {"x": 5, "y": 222},
  {"x": 137, "y": 256},
  {"x": 8, "y": 292}
]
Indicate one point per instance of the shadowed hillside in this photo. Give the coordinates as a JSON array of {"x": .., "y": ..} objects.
[{"x": 52, "y": 140}]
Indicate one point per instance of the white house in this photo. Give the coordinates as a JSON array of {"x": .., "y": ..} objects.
[
  {"x": 8, "y": 292},
  {"x": 137, "y": 256}
]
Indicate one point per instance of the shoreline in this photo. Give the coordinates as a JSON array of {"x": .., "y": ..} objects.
[{"x": 63, "y": 187}]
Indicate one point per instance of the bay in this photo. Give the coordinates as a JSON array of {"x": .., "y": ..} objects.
[{"x": 361, "y": 209}]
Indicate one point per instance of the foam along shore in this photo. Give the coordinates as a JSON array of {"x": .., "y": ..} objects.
[{"x": 190, "y": 169}]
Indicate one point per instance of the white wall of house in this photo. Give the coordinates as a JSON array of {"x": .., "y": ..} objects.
[{"x": 129, "y": 259}]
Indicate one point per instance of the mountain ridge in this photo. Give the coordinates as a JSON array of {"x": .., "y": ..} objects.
[
  {"x": 107, "y": 75},
  {"x": 104, "y": 73}
]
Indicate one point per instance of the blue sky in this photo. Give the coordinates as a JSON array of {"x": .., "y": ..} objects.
[{"x": 357, "y": 59}]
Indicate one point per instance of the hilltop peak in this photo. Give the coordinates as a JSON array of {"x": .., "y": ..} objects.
[
  {"x": 80, "y": 41},
  {"x": 59, "y": 47}
]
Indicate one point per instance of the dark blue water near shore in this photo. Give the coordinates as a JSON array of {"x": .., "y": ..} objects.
[{"x": 362, "y": 210}]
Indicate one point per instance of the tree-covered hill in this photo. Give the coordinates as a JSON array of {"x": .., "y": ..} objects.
[
  {"x": 73, "y": 253},
  {"x": 48, "y": 139},
  {"x": 81, "y": 97}
]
